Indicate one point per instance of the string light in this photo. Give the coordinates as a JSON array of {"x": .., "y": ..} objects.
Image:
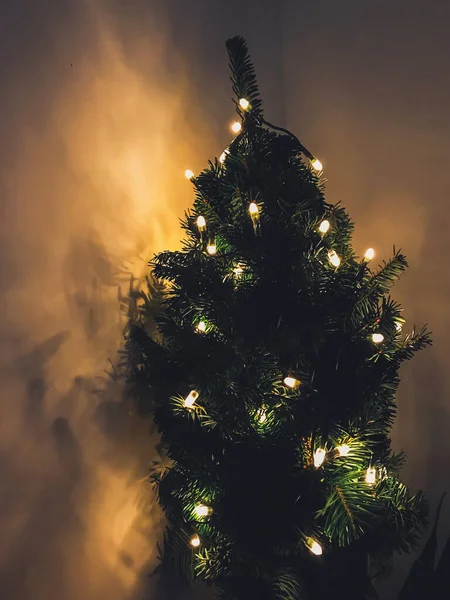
[
  {"x": 202, "y": 511},
  {"x": 377, "y": 338},
  {"x": 371, "y": 475},
  {"x": 343, "y": 450},
  {"x": 195, "y": 541},
  {"x": 253, "y": 209},
  {"x": 324, "y": 226},
  {"x": 314, "y": 546},
  {"x": 189, "y": 174},
  {"x": 316, "y": 164},
  {"x": 291, "y": 382},
  {"x": 334, "y": 258},
  {"x": 261, "y": 415},
  {"x": 370, "y": 253},
  {"x": 201, "y": 223},
  {"x": 190, "y": 399},
  {"x": 238, "y": 270},
  {"x": 201, "y": 326},
  {"x": 244, "y": 103},
  {"x": 236, "y": 127},
  {"x": 211, "y": 248},
  {"x": 224, "y": 155},
  {"x": 319, "y": 457}
]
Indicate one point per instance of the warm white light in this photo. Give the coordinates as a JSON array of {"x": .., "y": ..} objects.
[
  {"x": 201, "y": 326},
  {"x": 202, "y": 511},
  {"x": 314, "y": 546},
  {"x": 317, "y": 165},
  {"x": 371, "y": 475},
  {"x": 343, "y": 450},
  {"x": 211, "y": 248},
  {"x": 238, "y": 270},
  {"x": 324, "y": 226},
  {"x": 377, "y": 338},
  {"x": 201, "y": 223},
  {"x": 195, "y": 541},
  {"x": 236, "y": 127},
  {"x": 370, "y": 253},
  {"x": 291, "y": 382},
  {"x": 253, "y": 209},
  {"x": 319, "y": 457},
  {"x": 189, "y": 401},
  {"x": 334, "y": 258},
  {"x": 189, "y": 174},
  {"x": 261, "y": 415},
  {"x": 244, "y": 103},
  {"x": 224, "y": 155}
]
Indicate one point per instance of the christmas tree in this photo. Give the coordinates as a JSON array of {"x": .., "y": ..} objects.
[{"x": 272, "y": 376}]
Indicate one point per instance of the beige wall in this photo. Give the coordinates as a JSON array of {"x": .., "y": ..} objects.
[{"x": 102, "y": 107}]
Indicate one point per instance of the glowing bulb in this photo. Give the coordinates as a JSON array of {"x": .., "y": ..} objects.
[
  {"x": 261, "y": 415},
  {"x": 244, "y": 103},
  {"x": 377, "y": 338},
  {"x": 189, "y": 174},
  {"x": 324, "y": 226},
  {"x": 334, "y": 258},
  {"x": 343, "y": 450},
  {"x": 201, "y": 223},
  {"x": 314, "y": 546},
  {"x": 319, "y": 457},
  {"x": 238, "y": 270},
  {"x": 253, "y": 209},
  {"x": 317, "y": 165},
  {"x": 224, "y": 155},
  {"x": 370, "y": 253},
  {"x": 201, "y": 326},
  {"x": 189, "y": 401},
  {"x": 371, "y": 475},
  {"x": 291, "y": 382},
  {"x": 195, "y": 541},
  {"x": 211, "y": 248},
  {"x": 236, "y": 127},
  {"x": 202, "y": 511}
]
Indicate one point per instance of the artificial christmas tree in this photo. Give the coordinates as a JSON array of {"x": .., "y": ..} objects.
[{"x": 272, "y": 377}]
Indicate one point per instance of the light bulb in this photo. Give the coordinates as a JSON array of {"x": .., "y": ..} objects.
[
  {"x": 201, "y": 326},
  {"x": 190, "y": 399},
  {"x": 261, "y": 415},
  {"x": 244, "y": 103},
  {"x": 224, "y": 155},
  {"x": 343, "y": 450},
  {"x": 377, "y": 338},
  {"x": 317, "y": 165},
  {"x": 253, "y": 209},
  {"x": 314, "y": 546},
  {"x": 238, "y": 270},
  {"x": 319, "y": 457},
  {"x": 291, "y": 382},
  {"x": 195, "y": 541},
  {"x": 202, "y": 511},
  {"x": 334, "y": 258},
  {"x": 236, "y": 127},
  {"x": 370, "y": 253},
  {"x": 189, "y": 174},
  {"x": 324, "y": 226},
  {"x": 371, "y": 475},
  {"x": 211, "y": 248},
  {"x": 201, "y": 223}
]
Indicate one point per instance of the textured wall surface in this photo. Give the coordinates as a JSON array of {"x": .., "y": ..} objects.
[{"x": 103, "y": 106}]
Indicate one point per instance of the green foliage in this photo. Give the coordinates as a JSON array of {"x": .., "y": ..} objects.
[{"x": 272, "y": 305}]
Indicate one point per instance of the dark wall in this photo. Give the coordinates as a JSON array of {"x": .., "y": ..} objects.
[{"x": 368, "y": 90}]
